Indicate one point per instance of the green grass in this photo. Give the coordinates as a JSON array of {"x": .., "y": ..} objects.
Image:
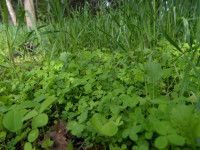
[{"x": 127, "y": 79}]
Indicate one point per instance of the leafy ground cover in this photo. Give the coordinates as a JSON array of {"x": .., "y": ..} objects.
[
  {"x": 106, "y": 99},
  {"x": 119, "y": 80}
]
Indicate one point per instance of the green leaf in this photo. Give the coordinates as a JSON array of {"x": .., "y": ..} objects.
[
  {"x": 2, "y": 135},
  {"x": 76, "y": 128},
  {"x": 163, "y": 127},
  {"x": 133, "y": 136},
  {"x": 13, "y": 120},
  {"x": 181, "y": 114},
  {"x": 25, "y": 105},
  {"x": 129, "y": 101},
  {"x": 161, "y": 142},
  {"x": 141, "y": 147},
  {"x": 176, "y": 139},
  {"x": 28, "y": 146},
  {"x": 104, "y": 126},
  {"x": 97, "y": 121},
  {"x": 33, "y": 135},
  {"x": 30, "y": 115},
  {"x": 47, "y": 143},
  {"x": 47, "y": 103},
  {"x": 132, "y": 131},
  {"x": 109, "y": 129},
  {"x": 39, "y": 121},
  {"x": 148, "y": 135}
]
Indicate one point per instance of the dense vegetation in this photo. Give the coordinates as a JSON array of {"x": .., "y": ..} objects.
[{"x": 124, "y": 78}]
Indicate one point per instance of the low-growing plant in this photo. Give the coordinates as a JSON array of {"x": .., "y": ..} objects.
[{"x": 106, "y": 99}]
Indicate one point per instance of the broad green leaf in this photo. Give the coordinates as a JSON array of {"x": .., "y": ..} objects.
[
  {"x": 109, "y": 129},
  {"x": 163, "y": 127},
  {"x": 176, "y": 139},
  {"x": 33, "y": 135},
  {"x": 13, "y": 120},
  {"x": 76, "y": 128},
  {"x": 97, "y": 121},
  {"x": 125, "y": 133},
  {"x": 115, "y": 109},
  {"x": 40, "y": 98},
  {"x": 129, "y": 101},
  {"x": 30, "y": 115},
  {"x": 133, "y": 132},
  {"x": 161, "y": 142},
  {"x": 181, "y": 115},
  {"x": 141, "y": 147},
  {"x": 25, "y": 105},
  {"x": 83, "y": 116},
  {"x": 47, "y": 103},
  {"x": 39, "y": 121},
  {"x": 28, "y": 146},
  {"x": 104, "y": 126},
  {"x": 133, "y": 136}
]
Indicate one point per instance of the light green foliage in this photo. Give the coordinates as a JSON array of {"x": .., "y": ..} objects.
[
  {"x": 28, "y": 146},
  {"x": 46, "y": 103},
  {"x": 39, "y": 121},
  {"x": 161, "y": 142},
  {"x": 13, "y": 120},
  {"x": 127, "y": 79},
  {"x": 176, "y": 139},
  {"x": 76, "y": 128},
  {"x": 103, "y": 100},
  {"x": 30, "y": 115},
  {"x": 33, "y": 135},
  {"x": 104, "y": 126}
]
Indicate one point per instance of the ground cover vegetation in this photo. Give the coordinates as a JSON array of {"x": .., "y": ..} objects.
[{"x": 122, "y": 78}]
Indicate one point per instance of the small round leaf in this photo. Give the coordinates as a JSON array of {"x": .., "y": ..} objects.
[
  {"x": 13, "y": 120},
  {"x": 176, "y": 139},
  {"x": 109, "y": 129},
  {"x": 161, "y": 142},
  {"x": 28, "y": 146},
  {"x": 39, "y": 121},
  {"x": 33, "y": 135}
]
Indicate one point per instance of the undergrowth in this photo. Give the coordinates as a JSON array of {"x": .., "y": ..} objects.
[
  {"x": 121, "y": 79},
  {"x": 106, "y": 98}
]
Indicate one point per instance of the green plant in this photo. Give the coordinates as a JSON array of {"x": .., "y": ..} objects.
[{"x": 123, "y": 79}]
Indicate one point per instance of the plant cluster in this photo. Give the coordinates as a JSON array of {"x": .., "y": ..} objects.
[
  {"x": 106, "y": 98},
  {"x": 121, "y": 79}
]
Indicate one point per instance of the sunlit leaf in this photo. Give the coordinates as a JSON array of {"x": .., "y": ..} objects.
[
  {"x": 161, "y": 142},
  {"x": 13, "y": 120},
  {"x": 39, "y": 121},
  {"x": 33, "y": 135}
]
